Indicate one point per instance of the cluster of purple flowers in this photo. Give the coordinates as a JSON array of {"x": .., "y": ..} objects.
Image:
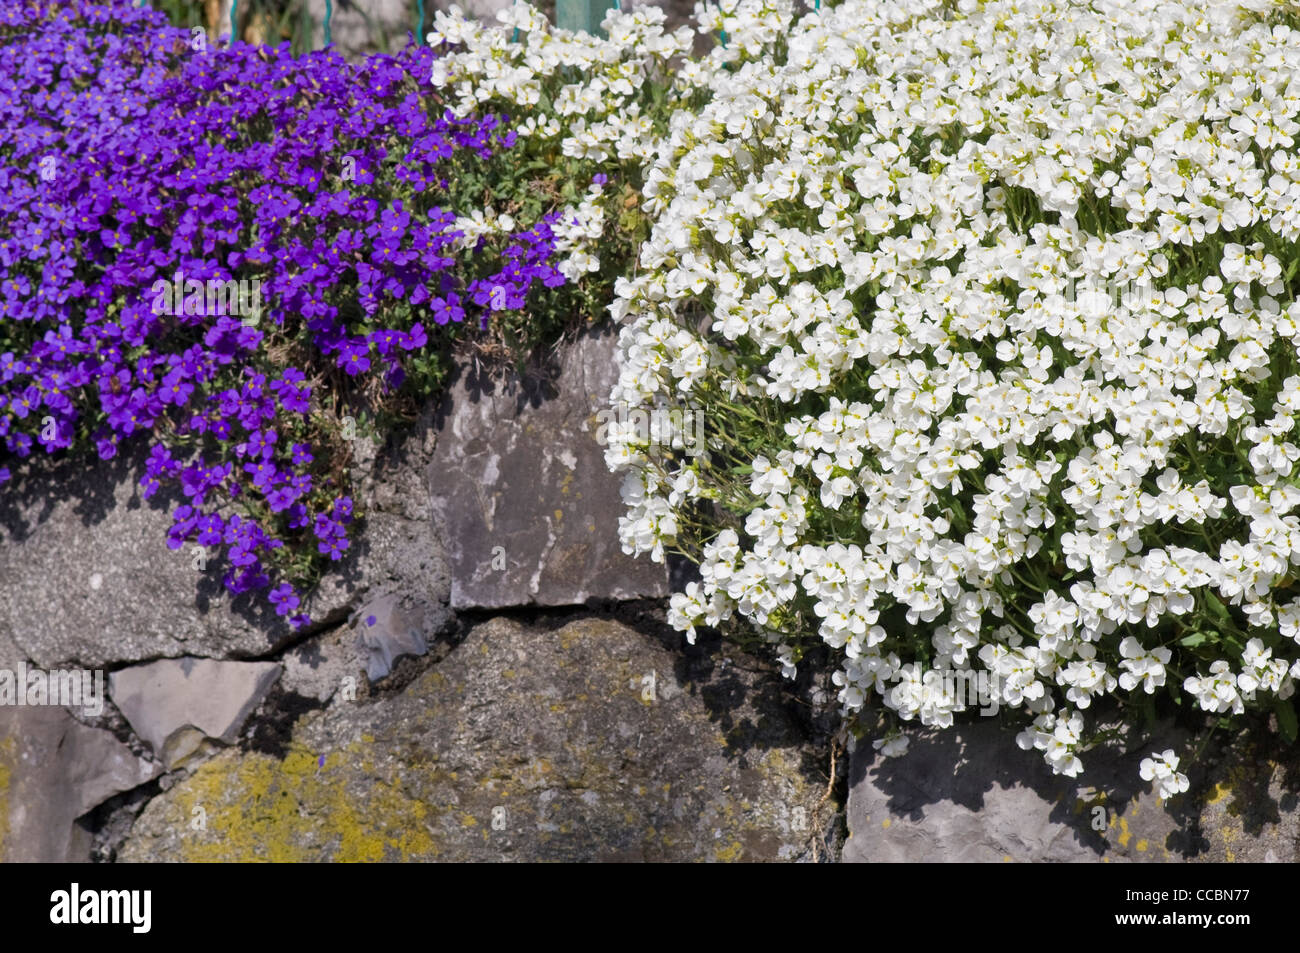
[
  {"x": 528, "y": 260},
  {"x": 133, "y": 160}
]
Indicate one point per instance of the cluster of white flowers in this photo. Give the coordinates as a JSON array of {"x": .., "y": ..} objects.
[
  {"x": 987, "y": 305},
  {"x": 526, "y": 65},
  {"x": 525, "y": 60},
  {"x": 1163, "y": 769},
  {"x": 481, "y": 222},
  {"x": 578, "y": 231},
  {"x": 908, "y": 221}
]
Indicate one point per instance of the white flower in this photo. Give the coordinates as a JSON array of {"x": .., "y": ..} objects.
[
  {"x": 891, "y": 747},
  {"x": 1163, "y": 769},
  {"x": 1142, "y": 666}
]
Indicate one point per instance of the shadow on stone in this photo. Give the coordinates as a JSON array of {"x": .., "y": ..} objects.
[
  {"x": 970, "y": 793},
  {"x": 89, "y": 578}
]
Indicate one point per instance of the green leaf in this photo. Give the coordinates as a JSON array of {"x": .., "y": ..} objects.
[
  {"x": 1286, "y": 720},
  {"x": 1193, "y": 640},
  {"x": 1217, "y": 608},
  {"x": 1149, "y": 710},
  {"x": 961, "y": 513}
]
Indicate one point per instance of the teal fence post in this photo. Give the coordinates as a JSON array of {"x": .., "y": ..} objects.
[
  {"x": 329, "y": 12},
  {"x": 234, "y": 17},
  {"x": 585, "y": 15},
  {"x": 419, "y": 30}
]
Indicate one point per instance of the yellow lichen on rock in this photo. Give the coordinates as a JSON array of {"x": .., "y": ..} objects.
[
  {"x": 257, "y": 808},
  {"x": 7, "y": 746}
]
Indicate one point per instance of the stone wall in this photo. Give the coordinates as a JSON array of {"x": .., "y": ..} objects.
[{"x": 488, "y": 676}]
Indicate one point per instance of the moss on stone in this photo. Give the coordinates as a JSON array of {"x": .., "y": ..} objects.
[
  {"x": 256, "y": 808},
  {"x": 7, "y": 749}
]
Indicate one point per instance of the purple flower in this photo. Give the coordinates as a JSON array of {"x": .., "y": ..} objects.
[
  {"x": 284, "y": 599},
  {"x": 325, "y": 528},
  {"x": 197, "y": 217},
  {"x": 176, "y": 389},
  {"x": 183, "y": 522},
  {"x": 251, "y": 577},
  {"x": 209, "y": 529},
  {"x": 297, "y": 516},
  {"x": 353, "y": 357},
  {"x": 262, "y": 473},
  {"x": 415, "y": 338},
  {"x": 448, "y": 309},
  {"x": 333, "y": 547},
  {"x": 281, "y": 498}
]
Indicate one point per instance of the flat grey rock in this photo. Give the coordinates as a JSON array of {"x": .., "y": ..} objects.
[
  {"x": 970, "y": 794},
  {"x": 386, "y": 630},
  {"x": 53, "y": 770},
  {"x": 528, "y": 508},
  {"x": 175, "y": 704}
]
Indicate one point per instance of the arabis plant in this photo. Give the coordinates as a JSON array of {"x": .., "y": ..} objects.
[
  {"x": 991, "y": 308},
  {"x": 595, "y": 111}
]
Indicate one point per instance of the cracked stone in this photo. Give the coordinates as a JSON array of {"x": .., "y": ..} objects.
[{"x": 176, "y": 705}]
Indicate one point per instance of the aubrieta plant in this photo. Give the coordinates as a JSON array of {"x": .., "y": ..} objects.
[
  {"x": 213, "y": 250},
  {"x": 991, "y": 310}
]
